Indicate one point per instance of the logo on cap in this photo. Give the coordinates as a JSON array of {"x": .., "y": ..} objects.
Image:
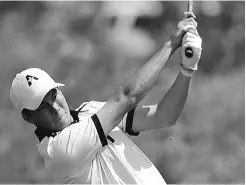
[{"x": 29, "y": 79}]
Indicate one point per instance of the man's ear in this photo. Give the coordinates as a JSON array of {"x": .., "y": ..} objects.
[
  {"x": 26, "y": 118},
  {"x": 27, "y": 115}
]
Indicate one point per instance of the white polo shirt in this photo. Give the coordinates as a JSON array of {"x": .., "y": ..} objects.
[{"x": 82, "y": 154}]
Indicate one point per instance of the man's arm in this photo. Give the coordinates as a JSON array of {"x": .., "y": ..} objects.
[
  {"x": 167, "y": 111},
  {"x": 137, "y": 85},
  {"x": 171, "y": 105},
  {"x": 133, "y": 89}
]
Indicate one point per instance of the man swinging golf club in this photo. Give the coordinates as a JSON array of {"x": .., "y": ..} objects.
[{"x": 90, "y": 145}]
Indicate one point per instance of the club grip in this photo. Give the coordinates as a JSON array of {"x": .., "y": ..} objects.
[{"x": 188, "y": 52}]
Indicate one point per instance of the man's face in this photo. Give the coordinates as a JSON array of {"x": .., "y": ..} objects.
[{"x": 53, "y": 112}]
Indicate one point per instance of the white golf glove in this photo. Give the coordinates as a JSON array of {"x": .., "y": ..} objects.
[{"x": 192, "y": 40}]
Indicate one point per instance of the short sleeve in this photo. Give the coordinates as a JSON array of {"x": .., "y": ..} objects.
[
  {"x": 126, "y": 123},
  {"x": 77, "y": 143},
  {"x": 92, "y": 107}
]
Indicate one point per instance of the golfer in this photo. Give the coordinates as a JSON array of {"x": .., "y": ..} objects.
[{"x": 90, "y": 145}]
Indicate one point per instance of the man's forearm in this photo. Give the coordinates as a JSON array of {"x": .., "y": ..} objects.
[
  {"x": 140, "y": 82},
  {"x": 172, "y": 103}
]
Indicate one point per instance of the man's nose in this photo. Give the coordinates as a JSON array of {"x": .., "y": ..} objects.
[{"x": 55, "y": 107}]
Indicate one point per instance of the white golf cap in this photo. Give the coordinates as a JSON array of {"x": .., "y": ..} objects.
[{"x": 30, "y": 87}]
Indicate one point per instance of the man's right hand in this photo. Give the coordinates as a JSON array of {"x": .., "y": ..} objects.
[{"x": 182, "y": 27}]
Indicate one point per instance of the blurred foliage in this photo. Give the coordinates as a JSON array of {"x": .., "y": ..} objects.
[{"x": 93, "y": 46}]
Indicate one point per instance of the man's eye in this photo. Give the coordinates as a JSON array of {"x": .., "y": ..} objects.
[{"x": 54, "y": 95}]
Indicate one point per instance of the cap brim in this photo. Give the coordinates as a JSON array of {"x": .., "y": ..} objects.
[{"x": 38, "y": 98}]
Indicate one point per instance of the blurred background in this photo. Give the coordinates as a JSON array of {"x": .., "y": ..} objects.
[{"x": 93, "y": 46}]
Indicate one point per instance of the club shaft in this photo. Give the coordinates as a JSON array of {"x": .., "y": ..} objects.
[
  {"x": 188, "y": 50},
  {"x": 190, "y": 6}
]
